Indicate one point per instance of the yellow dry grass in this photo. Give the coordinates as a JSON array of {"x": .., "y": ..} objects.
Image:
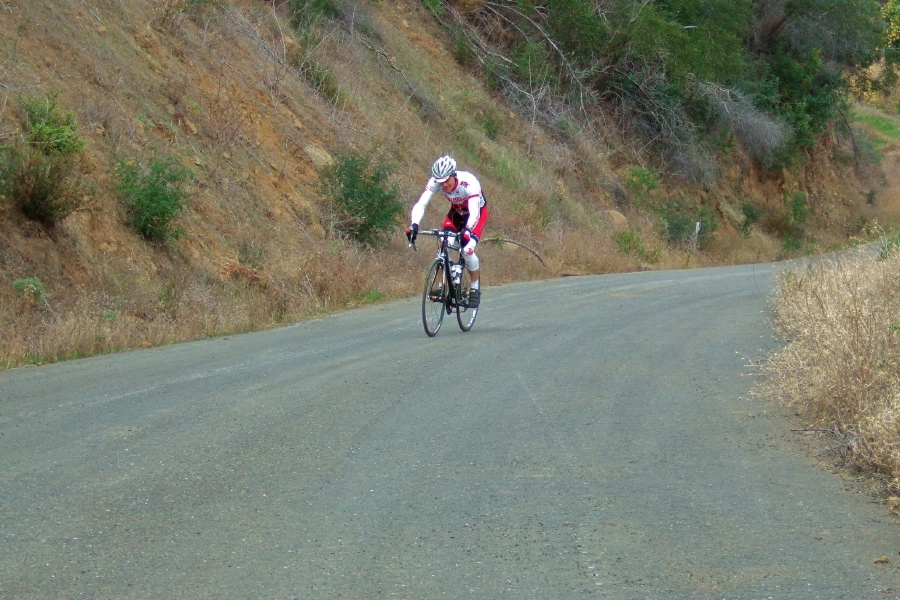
[{"x": 841, "y": 365}]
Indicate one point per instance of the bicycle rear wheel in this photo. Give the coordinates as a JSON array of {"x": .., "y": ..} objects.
[
  {"x": 464, "y": 314},
  {"x": 434, "y": 298}
]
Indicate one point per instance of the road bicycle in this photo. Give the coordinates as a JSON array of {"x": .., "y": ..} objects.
[{"x": 447, "y": 285}]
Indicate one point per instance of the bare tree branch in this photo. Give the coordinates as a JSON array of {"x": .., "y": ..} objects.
[
  {"x": 498, "y": 240},
  {"x": 574, "y": 75}
]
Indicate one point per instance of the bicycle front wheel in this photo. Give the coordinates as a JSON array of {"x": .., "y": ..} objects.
[
  {"x": 434, "y": 298},
  {"x": 464, "y": 314}
]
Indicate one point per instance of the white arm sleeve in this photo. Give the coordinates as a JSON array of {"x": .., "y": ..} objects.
[
  {"x": 418, "y": 210},
  {"x": 474, "y": 212}
]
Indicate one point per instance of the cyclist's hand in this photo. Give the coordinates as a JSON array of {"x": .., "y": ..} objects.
[
  {"x": 468, "y": 235},
  {"x": 412, "y": 233}
]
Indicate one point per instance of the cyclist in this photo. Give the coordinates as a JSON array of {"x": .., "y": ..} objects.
[{"x": 468, "y": 213}]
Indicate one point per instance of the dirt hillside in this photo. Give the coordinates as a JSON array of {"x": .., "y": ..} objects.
[{"x": 256, "y": 109}]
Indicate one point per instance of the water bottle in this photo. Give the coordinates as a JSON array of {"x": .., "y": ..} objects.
[{"x": 456, "y": 273}]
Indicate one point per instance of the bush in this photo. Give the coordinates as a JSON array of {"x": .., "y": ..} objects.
[
  {"x": 43, "y": 186},
  {"x": 630, "y": 242},
  {"x": 154, "y": 196},
  {"x": 798, "y": 207},
  {"x": 31, "y": 288},
  {"x": 752, "y": 214},
  {"x": 810, "y": 93},
  {"x": 39, "y": 175},
  {"x": 680, "y": 221},
  {"x": 797, "y": 214},
  {"x": 577, "y": 28},
  {"x": 765, "y": 137},
  {"x": 532, "y": 64},
  {"x": 323, "y": 80},
  {"x": 706, "y": 41},
  {"x": 462, "y": 51},
  {"x": 435, "y": 7},
  {"x": 492, "y": 126},
  {"x": 49, "y": 131},
  {"x": 306, "y": 13},
  {"x": 364, "y": 205},
  {"x": 641, "y": 184}
]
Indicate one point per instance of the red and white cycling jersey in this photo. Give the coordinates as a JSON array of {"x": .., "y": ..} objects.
[{"x": 466, "y": 199}]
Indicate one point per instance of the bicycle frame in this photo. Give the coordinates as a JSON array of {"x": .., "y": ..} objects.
[
  {"x": 454, "y": 291},
  {"x": 448, "y": 241}
]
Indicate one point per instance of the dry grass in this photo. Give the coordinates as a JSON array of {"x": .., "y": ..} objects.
[
  {"x": 841, "y": 366},
  {"x": 130, "y": 312}
]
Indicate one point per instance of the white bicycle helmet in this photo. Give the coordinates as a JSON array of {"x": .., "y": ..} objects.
[{"x": 444, "y": 168}]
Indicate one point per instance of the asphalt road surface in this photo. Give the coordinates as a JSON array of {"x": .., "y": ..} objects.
[{"x": 589, "y": 438}]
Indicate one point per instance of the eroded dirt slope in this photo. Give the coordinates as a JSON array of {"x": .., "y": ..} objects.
[{"x": 256, "y": 109}]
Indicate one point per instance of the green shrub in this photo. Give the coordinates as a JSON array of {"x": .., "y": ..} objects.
[
  {"x": 677, "y": 221},
  {"x": 39, "y": 175},
  {"x": 48, "y": 130},
  {"x": 462, "y": 51},
  {"x": 792, "y": 243},
  {"x": 154, "y": 196},
  {"x": 491, "y": 126},
  {"x": 641, "y": 184},
  {"x": 578, "y": 28},
  {"x": 45, "y": 187},
  {"x": 323, "y": 80},
  {"x": 702, "y": 40},
  {"x": 789, "y": 222},
  {"x": 785, "y": 65},
  {"x": 435, "y": 7},
  {"x": 798, "y": 207},
  {"x": 752, "y": 214},
  {"x": 494, "y": 73},
  {"x": 364, "y": 206},
  {"x": 31, "y": 288},
  {"x": 631, "y": 243},
  {"x": 809, "y": 93},
  {"x": 306, "y": 13},
  {"x": 680, "y": 220},
  {"x": 532, "y": 64}
]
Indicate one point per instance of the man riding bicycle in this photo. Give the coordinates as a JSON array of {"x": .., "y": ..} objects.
[{"x": 468, "y": 213}]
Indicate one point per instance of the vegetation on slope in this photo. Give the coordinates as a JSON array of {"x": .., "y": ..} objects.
[
  {"x": 682, "y": 75},
  {"x": 840, "y": 368},
  {"x": 197, "y": 149}
]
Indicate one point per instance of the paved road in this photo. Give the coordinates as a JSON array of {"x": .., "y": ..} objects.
[{"x": 590, "y": 437}]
